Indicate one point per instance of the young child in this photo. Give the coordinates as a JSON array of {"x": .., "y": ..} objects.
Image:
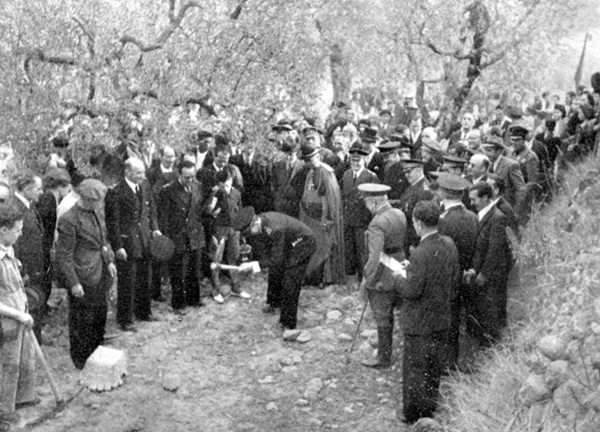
[{"x": 224, "y": 203}]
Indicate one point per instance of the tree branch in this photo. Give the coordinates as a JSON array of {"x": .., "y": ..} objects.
[
  {"x": 174, "y": 23},
  {"x": 455, "y": 54}
]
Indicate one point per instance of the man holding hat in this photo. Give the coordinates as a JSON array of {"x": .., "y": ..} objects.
[
  {"x": 461, "y": 225},
  {"x": 356, "y": 215},
  {"x": 285, "y": 246},
  {"x": 505, "y": 168},
  {"x": 374, "y": 160},
  {"x": 86, "y": 261},
  {"x": 384, "y": 237},
  {"x": 393, "y": 170}
]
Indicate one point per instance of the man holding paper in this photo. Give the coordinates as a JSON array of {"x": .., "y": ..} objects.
[{"x": 384, "y": 240}]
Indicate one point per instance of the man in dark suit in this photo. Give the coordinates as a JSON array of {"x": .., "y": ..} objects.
[
  {"x": 491, "y": 265},
  {"x": 256, "y": 173},
  {"x": 180, "y": 219},
  {"x": 461, "y": 225},
  {"x": 86, "y": 261},
  {"x": 467, "y": 123},
  {"x": 159, "y": 176},
  {"x": 384, "y": 238},
  {"x": 285, "y": 246},
  {"x": 417, "y": 191},
  {"x": 505, "y": 168},
  {"x": 131, "y": 221},
  {"x": 57, "y": 183},
  {"x": 356, "y": 215},
  {"x": 29, "y": 248},
  {"x": 374, "y": 160},
  {"x": 393, "y": 171},
  {"x": 432, "y": 277},
  {"x": 283, "y": 170}
]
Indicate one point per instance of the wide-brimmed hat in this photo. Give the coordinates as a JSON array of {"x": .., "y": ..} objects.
[{"x": 308, "y": 150}]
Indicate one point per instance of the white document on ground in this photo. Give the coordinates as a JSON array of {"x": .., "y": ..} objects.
[{"x": 394, "y": 265}]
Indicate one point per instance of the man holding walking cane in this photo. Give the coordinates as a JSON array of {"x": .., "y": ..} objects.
[
  {"x": 17, "y": 351},
  {"x": 384, "y": 240}
]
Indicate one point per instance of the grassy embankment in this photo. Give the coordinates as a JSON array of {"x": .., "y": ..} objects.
[{"x": 517, "y": 388}]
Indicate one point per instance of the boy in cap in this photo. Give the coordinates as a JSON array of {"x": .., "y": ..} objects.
[
  {"x": 285, "y": 246},
  {"x": 385, "y": 235},
  {"x": 86, "y": 261}
]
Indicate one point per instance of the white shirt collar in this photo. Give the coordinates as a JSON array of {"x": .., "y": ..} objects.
[
  {"x": 7, "y": 251},
  {"x": 428, "y": 235},
  {"x": 357, "y": 173},
  {"x": 481, "y": 214},
  {"x": 448, "y": 204},
  {"x": 23, "y": 199},
  {"x": 132, "y": 185},
  {"x": 495, "y": 165},
  {"x": 165, "y": 170}
]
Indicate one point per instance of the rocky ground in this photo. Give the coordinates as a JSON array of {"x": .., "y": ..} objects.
[{"x": 227, "y": 368}]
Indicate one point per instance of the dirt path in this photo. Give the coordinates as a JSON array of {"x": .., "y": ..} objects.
[{"x": 233, "y": 372}]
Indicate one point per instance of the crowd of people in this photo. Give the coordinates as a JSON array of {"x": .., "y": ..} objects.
[{"x": 350, "y": 201}]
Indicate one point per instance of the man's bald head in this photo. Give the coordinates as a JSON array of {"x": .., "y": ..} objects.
[
  {"x": 135, "y": 171},
  {"x": 479, "y": 165}
]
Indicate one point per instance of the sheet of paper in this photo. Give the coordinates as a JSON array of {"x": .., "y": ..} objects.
[{"x": 393, "y": 265}]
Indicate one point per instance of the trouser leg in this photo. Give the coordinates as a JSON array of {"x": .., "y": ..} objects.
[
  {"x": 274, "y": 287},
  {"x": 192, "y": 279},
  {"x": 177, "y": 264},
  {"x": 142, "y": 298},
  {"x": 125, "y": 291},
  {"x": 290, "y": 295}
]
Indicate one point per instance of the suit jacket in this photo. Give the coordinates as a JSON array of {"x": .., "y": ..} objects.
[
  {"x": 492, "y": 255},
  {"x": 415, "y": 193},
  {"x": 207, "y": 176},
  {"x": 355, "y": 212},
  {"x": 376, "y": 163},
  {"x": 83, "y": 251},
  {"x": 285, "y": 197},
  {"x": 155, "y": 176},
  {"x": 461, "y": 225},
  {"x": 46, "y": 207},
  {"x": 29, "y": 248},
  {"x": 530, "y": 166},
  {"x": 511, "y": 217},
  {"x": 129, "y": 219},
  {"x": 394, "y": 177},
  {"x": 510, "y": 171},
  {"x": 385, "y": 234},
  {"x": 180, "y": 215},
  {"x": 258, "y": 187},
  {"x": 432, "y": 277},
  {"x": 284, "y": 242}
]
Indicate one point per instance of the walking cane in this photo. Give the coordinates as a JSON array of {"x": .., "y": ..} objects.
[
  {"x": 40, "y": 356},
  {"x": 356, "y": 333}
]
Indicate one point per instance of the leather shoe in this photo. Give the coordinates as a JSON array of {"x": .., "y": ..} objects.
[
  {"x": 128, "y": 328},
  {"x": 242, "y": 294},
  {"x": 269, "y": 309},
  {"x": 376, "y": 364},
  {"x": 179, "y": 312}
]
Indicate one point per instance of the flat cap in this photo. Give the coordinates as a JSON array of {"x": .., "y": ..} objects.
[
  {"x": 92, "y": 189},
  {"x": 58, "y": 175},
  {"x": 373, "y": 189},
  {"x": 243, "y": 219},
  {"x": 452, "y": 182},
  {"x": 369, "y": 135}
]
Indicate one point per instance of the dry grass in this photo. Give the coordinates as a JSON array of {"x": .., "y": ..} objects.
[{"x": 559, "y": 261}]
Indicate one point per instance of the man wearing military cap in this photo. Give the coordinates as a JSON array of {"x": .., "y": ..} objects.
[
  {"x": 285, "y": 246},
  {"x": 356, "y": 215},
  {"x": 461, "y": 225},
  {"x": 453, "y": 164},
  {"x": 86, "y": 261},
  {"x": 384, "y": 237},
  {"x": 505, "y": 168}
]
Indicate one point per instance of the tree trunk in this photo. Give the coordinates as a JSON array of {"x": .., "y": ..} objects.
[{"x": 340, "y": 74}]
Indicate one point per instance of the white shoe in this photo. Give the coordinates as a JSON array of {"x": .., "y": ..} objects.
[
  {"x": 241, "y": 294},
  {"x": 218, "y": 298}
]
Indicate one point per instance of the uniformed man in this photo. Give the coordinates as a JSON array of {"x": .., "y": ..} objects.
[
  {"x": 285, "y": 246},
  {"x": 384, "y": 239}
]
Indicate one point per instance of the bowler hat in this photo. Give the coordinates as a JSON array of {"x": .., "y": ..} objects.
[
  {"x": 242, "y": 220},
  {"x": 162, "y": 248}
]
